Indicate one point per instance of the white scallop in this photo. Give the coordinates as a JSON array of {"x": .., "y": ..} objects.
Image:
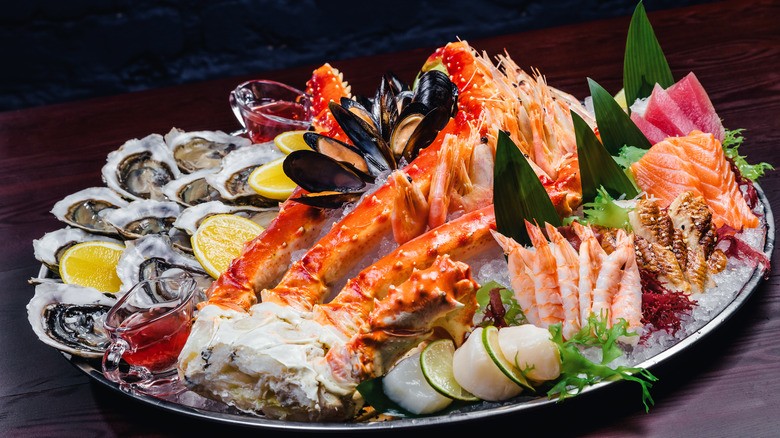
[
  {"x": 406, "y": 385},
  {"x": 531, "y": 347},
  {"x": 477, "y": 373}
]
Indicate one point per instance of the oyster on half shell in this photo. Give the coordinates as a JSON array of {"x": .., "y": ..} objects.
[
  {"x": 140, "y": 168},
  {"x": 198, "y": 150},
  {"x": 192, "y": 188},
  {"x": 154, "y": 256},
  {"x": 70, "y": 318},
  {"x": 87, "y": 208},
  {"x": 232, "y": 179},
  {"x": 144, "y": 217}
]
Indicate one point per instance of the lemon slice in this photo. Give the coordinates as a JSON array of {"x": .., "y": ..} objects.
[
  {"x": 436, "y": 364},
  {"x": 92, "y": 264},
  {"x": 269, "y": 180},
  {"x": 291, "y": 141},
  {"x": 490, "y": 341},
  {"x": 620, "y": 98},
  {"x": 220, "y": 238}
]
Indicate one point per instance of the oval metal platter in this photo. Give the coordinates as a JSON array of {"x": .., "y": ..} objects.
[{"x": 192, "y": 405}]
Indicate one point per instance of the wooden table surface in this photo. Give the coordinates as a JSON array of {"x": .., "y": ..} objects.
[{"x": 725, "y": 385}]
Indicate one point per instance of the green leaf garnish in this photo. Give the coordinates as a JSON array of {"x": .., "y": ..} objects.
[
  {"x": 615, "y": 126},
  {"x": 629, "y": 155},
  {"x": 518, "y": 194},
  {"x": 597, "y": 167},
  {"x": 731, "y": 144},
  {"x": 605, "y": 212},
  {"x": 577, "y": 371},
  {"x": 644, "y": 64},
  {"x": 514, "y": 313}
]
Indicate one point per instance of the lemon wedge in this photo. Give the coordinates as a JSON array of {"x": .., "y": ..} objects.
[
  {"x": 92, "y": 264},
  {"x": 269, "y": 180},
  {"x": 220, "y": 238},
  {"x": 291, "y": 141},
  {"x": 620, "y": 98}
]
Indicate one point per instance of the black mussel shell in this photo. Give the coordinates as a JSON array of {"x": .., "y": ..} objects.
[
  {"x": 316, "y": 172},
  {"x": 435, "y": 89},
  {"x": 339, "y": 151},
  {"x": 360, "y": 110},
  {"x": 385, "y": 110},
  {"x": 376, "y": 151},
  {"x": 328, "y": 199},
  {"x": 425, "y": 132},
  {"x": 396, "y": 83}
]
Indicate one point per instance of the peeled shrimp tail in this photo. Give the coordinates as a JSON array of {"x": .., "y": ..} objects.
[
  {"x": 545, "y": 274},
  {"x": 521, "y": 281},
  {"x": 568, "y": 281}
]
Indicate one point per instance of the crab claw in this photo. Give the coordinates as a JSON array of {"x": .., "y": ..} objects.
[{"x": 440, "y": 296}]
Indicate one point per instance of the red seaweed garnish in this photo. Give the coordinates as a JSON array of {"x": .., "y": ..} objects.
[
  {"x": 661, "y": 307},
  {"x": 751, "y": 194},
  {"x": 740, "y": 250}
]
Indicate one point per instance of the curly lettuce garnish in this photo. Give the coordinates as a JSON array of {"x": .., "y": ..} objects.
[
  {"x": 606, "y": 212},
  {"x": 577, "y": 371},
  {"x": 731, "y": 144}
]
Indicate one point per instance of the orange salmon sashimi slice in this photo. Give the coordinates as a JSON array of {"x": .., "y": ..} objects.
[{"x": 697, "y": 163}]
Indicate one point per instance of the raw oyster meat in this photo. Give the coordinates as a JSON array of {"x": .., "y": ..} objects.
[
  {"x": 192, "y": 189},
  {"x": 144, "y": 217},
  {"x": 86, "y": 209},
  {"x": 140, "y": 168},
  {"x": 70, "y": 318},
  {"x": 198, "y": 150},
  {"x": 154, "y": 256}
]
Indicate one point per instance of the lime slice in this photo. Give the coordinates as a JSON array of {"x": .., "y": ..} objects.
[
  {"x": 291, "y": 141},
  {"x": 92, "y": 264},
  {"x": 406, "y": 385},
  {"x": 269, "y": 180},
  {"x": 436, "y": 364},
  {"x": 220, "y": 238},
  {"x": 490, "y": 341}
]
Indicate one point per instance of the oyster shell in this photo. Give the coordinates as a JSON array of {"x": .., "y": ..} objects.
[
  {"x": 140, "y": 168},
  {"x": 144, "y": 217},
  {"x": 154, "y": 256},
  {"x": 198, "y": 150},
  {"x": 70, "y": 318},
  {"x": 191, "y": 217},
  {"x": 192, "y": 189},
  {"x": 232, "y": 179},
  {"x": 49, "y": 248},
  {"x": 86, "y": 209}
]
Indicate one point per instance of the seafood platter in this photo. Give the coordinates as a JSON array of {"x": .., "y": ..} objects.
[{"x": 473, "y": 241}]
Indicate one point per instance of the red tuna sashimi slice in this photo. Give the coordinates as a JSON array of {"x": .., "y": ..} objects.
[
  {"x": 694, "y": 102},
  {"x": 652, "y": 132},
  {"x": 694, "y": 163},
  {"x": 664, "y": 113}
]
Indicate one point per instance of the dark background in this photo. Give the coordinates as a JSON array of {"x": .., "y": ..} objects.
[{"x": 55, "y": 51}]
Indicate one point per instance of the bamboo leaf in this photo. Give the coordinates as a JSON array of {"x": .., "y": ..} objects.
[
  {"x": 615, "y": 126},
  {"x": 518, "y": 194},
  {"x": 644, "y": 64},
  {"x": 597, "y": 167}
]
